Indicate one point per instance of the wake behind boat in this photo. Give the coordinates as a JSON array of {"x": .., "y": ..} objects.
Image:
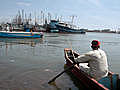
[
  {"x": 20, "y": 34},
  {"x": 111, "y": 82}
]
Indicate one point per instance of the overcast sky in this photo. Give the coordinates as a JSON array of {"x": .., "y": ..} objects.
[{"x": 91, "y": 14}]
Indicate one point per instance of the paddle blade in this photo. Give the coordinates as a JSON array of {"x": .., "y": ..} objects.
[{"x": 51, "y": 81}]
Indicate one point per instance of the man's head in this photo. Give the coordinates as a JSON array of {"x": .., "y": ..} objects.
[{"x": 95, "y": 44}]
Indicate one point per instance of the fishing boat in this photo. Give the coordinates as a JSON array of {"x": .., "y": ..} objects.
[
  {"x": 62, "y": 27},
  {"x": 67, "y": 28},
  {"x": 111, "y": 82},
  {"x": 20, "y": 34}
]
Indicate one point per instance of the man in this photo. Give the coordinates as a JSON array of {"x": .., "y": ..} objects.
[{"x": 97, "y": 61}]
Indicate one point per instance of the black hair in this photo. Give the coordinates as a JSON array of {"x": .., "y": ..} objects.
[{"x": 95, "y": 47}]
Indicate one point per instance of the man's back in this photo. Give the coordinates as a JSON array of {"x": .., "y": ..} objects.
[{"x": 98, "y": 64}]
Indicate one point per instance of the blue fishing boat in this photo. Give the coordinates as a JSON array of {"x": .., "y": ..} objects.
[
  {"x": 61, "y": 27},
  {"x": 66, "y": 29},
  {"x": 19, "y": 34}
]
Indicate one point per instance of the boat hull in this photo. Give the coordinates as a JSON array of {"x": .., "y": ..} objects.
[
  {"x": 21, "y": 34},
  {"x": 70, "y": 30}
]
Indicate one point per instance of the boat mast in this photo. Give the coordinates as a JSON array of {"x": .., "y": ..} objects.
[
  {"x": 72, "y": 21},
  {"x": 23, "y": 16}
]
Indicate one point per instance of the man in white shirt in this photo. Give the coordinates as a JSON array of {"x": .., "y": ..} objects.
[{"x": 97, "y": 61}]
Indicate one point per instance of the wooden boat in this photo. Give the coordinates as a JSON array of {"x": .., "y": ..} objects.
[
  {"x": 15, "y": 34},
  {"x": 111, "y": 82}
]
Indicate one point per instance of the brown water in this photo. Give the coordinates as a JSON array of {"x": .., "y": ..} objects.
[{"x": 28, "y": 64}]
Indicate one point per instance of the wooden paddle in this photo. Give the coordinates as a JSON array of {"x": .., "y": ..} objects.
[{"x": 52, "y": 80}]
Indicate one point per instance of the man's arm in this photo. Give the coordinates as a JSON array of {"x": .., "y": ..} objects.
[{"x": 84, "y": 58}]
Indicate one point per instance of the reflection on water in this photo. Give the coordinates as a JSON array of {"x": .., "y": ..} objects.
[
  {"x": 9, "y": 43},
  {"x": 14, "y": 41}
]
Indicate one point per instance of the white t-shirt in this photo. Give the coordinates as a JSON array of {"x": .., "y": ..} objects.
[{"x": 97, "y": 61}]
